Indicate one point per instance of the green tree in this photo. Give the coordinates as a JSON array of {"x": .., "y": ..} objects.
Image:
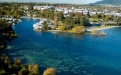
[
  {"x": 62, "y": 27},
  {"x": 55, "y": 21},
  {"x": 60, "y": 16},
  {"x": 51, "y": 14},
  {"x": 44, "y": 25},
  {"x": 82, "y": 20},
  {"x": 69, "y": 22}
]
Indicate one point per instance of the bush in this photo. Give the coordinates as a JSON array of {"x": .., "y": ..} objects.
[
  {"x": 62, "y": 27},
  {"x": 33, "y": 69},
  {"x": 17, "y": 61},
  {"x": 50, "y": 71},
  {"x": 78, "y": 29}
]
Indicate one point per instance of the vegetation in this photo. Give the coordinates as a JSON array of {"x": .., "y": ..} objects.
[
  {"x": 62, "y": 27},
  {"x": 17, "y": 68},
  {"x": 50, "y": 71},
  {"x": 8, "y": 68},
  {"x": 44, "y": 26},
  {"x": 78, "y": 29},
  {"x": 33, "y": 69},
  {"x": 55, "y": 21},
  {"x": 6, "y": 32},
  {"x": 11, "y": 10},
  {"x": 73, "y": 21}
]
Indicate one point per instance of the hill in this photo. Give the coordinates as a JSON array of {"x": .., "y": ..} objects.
[{"x": 112, "y": 2}]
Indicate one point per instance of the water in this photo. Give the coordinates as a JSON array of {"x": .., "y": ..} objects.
[{"x": 69, "y": 54}]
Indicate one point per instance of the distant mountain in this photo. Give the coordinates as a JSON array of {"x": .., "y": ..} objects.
[{"x": 113, "y": 2}]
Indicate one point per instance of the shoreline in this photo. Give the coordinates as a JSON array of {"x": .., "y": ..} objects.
[
  {"x": 54, "y": 30},
  {"x": 96, "y": 28},
  {"x": 104, "y": 28}
]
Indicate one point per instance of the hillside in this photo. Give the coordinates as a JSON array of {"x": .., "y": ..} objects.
[{"x": 113, "y": 2}]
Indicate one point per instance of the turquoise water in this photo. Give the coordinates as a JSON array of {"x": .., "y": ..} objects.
[{"x": 69, "y": 54}]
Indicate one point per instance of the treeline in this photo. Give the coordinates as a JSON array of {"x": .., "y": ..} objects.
[
  {"x": 6, "y": 32},
  {"x": 72, "y": 20},
  {"x": 17, "y": 68},
  {"x": 60, "y": 19},
  {"x": 11, "y": 10}
]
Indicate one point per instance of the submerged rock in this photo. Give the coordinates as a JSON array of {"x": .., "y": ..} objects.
[
  {"x": 103, "y": 33},
  {"x": 8, "y": 47}
]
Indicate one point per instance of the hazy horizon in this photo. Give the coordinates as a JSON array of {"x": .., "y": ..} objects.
[{"x": 55, "y": 1}]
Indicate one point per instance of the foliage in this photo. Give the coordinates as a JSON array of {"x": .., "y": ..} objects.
[
  {"x": 50, "y": 71},
  {"x": 78, "y": 29},
  {"x": 33, "y": 69},
  {"x": 60, "y": 16},
  {"x": 69, "y": 21},
  {"x": 62, "y": 27},
  {"x": 44, "y": 26},
  {"x": 55, "y": 21},
  {"x": 16, "y": 68},
  {"x": 107, "y": 17},
  {"x": 17, "y": 61},
  {"x": 6, "y": 32}
]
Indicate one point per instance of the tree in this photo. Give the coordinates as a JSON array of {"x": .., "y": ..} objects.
[
  {"x": 55, "y": 21},
  {"x": 95, "y": 16},
  {"x": 107, "y": 17},
  {"x": 50, "y": 71},
  {"x": 88, "y": 14},
  {"x": 45, "y": 13},
  {"x": 62, "y": 27},
  {"x": 60, "y": 16},
  {"x": 77, "y": 14},
  {"x": 33, "y": 68},
  {"x": 71, "y": 14},
  {"x": 82, "y": 20},
  {"x": 78, "y": 29},
  {"x": 69, "y": 20},
  {"x": 51, "y": 14},
  {"x": 44, "y": 26}
]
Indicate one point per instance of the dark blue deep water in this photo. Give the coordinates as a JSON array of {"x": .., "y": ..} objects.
[{"x": 69, "y": 54}]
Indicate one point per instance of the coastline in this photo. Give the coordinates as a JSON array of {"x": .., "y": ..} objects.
[
  {"x": 96, "y": 28},
  {"x": 54, "y": 30},
  {"x": 89, "y": 29},
  {"x": 104, "y": 28}
]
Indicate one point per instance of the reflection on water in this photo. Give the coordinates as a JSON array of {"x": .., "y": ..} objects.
[{"x": 70, "y": 54}]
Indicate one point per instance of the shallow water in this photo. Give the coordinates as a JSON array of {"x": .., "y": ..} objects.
[{"x": 69, "y": 54}]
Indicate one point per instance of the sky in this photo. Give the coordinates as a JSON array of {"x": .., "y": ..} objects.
[{"x": 57, "y": 1}]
